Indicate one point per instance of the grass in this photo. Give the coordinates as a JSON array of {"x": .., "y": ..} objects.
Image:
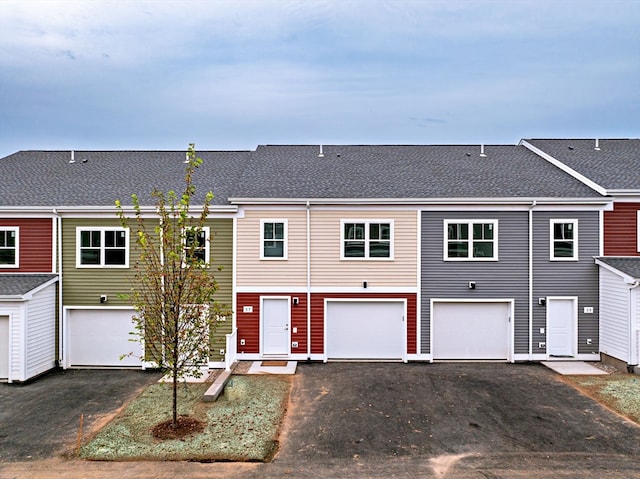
[
  {"x": 619, "y": 392},
  {"x": 242, "y": 425}
]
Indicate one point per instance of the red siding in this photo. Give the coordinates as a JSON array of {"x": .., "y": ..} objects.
[
  {"x": 249, "y": 323},
  {"x": 317, "y": 317},
  {"x": 35, "y": 244},
  {"x": 621, "y": 230}
]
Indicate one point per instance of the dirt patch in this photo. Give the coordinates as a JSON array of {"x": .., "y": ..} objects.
[
  {"x": 184, "y": 426},
  {"x": 618, "y": 392}
]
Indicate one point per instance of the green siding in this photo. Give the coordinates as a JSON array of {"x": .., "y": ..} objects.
[
  {"x": 221, "y": 257},
  {"x": 83, "y": 286}
]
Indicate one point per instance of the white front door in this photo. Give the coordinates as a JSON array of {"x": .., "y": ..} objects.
[
  {"x": 275, "y": 326},
  {"x": 4, "y": 347},
  {"x": 561, "y": 321}
]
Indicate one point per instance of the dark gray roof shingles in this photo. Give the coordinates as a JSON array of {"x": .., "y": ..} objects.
[
  {"x": 98, "y": 178},
  {"x": 628, "y": 265},
  {"x": 20, "y": 284},
  {"x": 431, "y": 171},
  {"x": 48, "y": 178},
  {"x": 614, "y": 166}
]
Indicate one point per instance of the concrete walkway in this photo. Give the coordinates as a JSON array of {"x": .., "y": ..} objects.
[{"x": 569, "y": 368}]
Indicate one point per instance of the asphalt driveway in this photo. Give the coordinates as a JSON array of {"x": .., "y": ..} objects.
[
  {"x": 374, "y": 420},
  {"x": 41, "y": 418}
]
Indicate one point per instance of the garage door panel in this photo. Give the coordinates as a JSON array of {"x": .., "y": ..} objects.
[
  {"x": 365, "y": 330},
  {"x": 471, "y": 330},
  {"x": 100, "y": 338}
]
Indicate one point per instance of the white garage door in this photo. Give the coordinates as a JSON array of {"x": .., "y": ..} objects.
[
  {"x": 100, "y": 337},
  {"x": 365, "y": 330},
  {"x": 471, "y": 330}
]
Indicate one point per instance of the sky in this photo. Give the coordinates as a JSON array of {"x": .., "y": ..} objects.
[{"x": 234, "y": 74}]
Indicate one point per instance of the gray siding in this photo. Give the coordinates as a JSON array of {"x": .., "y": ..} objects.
[
  {"x": 505, "y": 278},
  {"x": 567, "y": 278}
]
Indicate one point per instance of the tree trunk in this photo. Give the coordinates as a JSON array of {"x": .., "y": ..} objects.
[{"x": 175, "y": 397}]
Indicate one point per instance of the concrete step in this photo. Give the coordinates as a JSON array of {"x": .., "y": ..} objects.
[{"x": 218, "y": 385}]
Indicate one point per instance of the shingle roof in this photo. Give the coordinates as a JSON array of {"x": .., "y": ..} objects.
[
  {"x": 98, "y": 178},
  {"x": 627, "y": 265},
  {"x": 13, "y": 285},
  {"x": 614, "y": 166},
  {"x": 48, "y": 178},
  {"x": 428, "y": 171}
]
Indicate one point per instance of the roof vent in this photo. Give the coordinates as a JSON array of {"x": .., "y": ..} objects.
[
  {"x": 186, "y": 158},
  {"x": 321, "y": 154},
  {"x": 73, "y": 157},
  {"x": 482, "y": 153},
  {"x": 597, "y": 147}
]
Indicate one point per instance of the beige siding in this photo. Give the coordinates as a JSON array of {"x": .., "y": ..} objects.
[
  {"x": 327, "y": 269},
  {"x": 252, "y": 271}
]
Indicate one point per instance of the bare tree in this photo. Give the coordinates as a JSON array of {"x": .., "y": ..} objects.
[{"x": 173, "y": 289}]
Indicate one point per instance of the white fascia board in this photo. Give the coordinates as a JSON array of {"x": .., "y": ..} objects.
[
  {"x": 517, "y": 201},
  {"x": 625, "y": 192},
  {"x": 625, "y": 277},
  {"x": 591, "y": 184},
  {"x": 144, "y": 209},
  {"x": 27, "y": 212},
  {"x": 11, "y": 298}
]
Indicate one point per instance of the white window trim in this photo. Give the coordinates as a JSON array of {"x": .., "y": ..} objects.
[
  {"x": 574, "y": 222},
  {"x": 101, "y": 229},
  {"x": 285, "y": 240},
  {"x": 15, "y": 229},
  {"x": 367, "y": 240},
  {"x": 470, "y": 223},
  {"x": 207, "y": 242}
]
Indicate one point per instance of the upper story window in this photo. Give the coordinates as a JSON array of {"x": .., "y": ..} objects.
[
  {"x": 9, "y": 253},
  {"x": 475, "y": 240},
  {"x": 564, "y": 240},
  {"x": 102, "y": 247},
  {"x": 367, "y": 239},
  {"x": 197, "y": 244},
  {"x": 273, "y": 239}
]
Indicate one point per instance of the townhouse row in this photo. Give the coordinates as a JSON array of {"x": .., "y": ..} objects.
[{"x": 521, "y": 252}]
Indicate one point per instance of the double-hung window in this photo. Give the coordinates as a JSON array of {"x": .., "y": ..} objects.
[
  {"x": 564, "y": 240},
  {"x": 106, "y": 247},
  {"x": 197, "y": 244},
  {"x": 273, "y": 239},
  {"x": 367, "y": 239},
  {"x": 475, "y": 240},
  {"x": 9, "y": 253}
]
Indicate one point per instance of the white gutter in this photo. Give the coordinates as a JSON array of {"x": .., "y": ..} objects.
[
  {"x": 57, "y": 268},
  {"x": 559, "y": 164},
  {"x": 308, "y": 280},
  {"x": 523, "y": 201}
]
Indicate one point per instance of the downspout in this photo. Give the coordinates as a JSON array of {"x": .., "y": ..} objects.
[
  {"x": 57, "y": 268},
  {"x": 633, "y": 335},
  {"x": 308, "y": 280},
  {"x": 533, "y": 205}
]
